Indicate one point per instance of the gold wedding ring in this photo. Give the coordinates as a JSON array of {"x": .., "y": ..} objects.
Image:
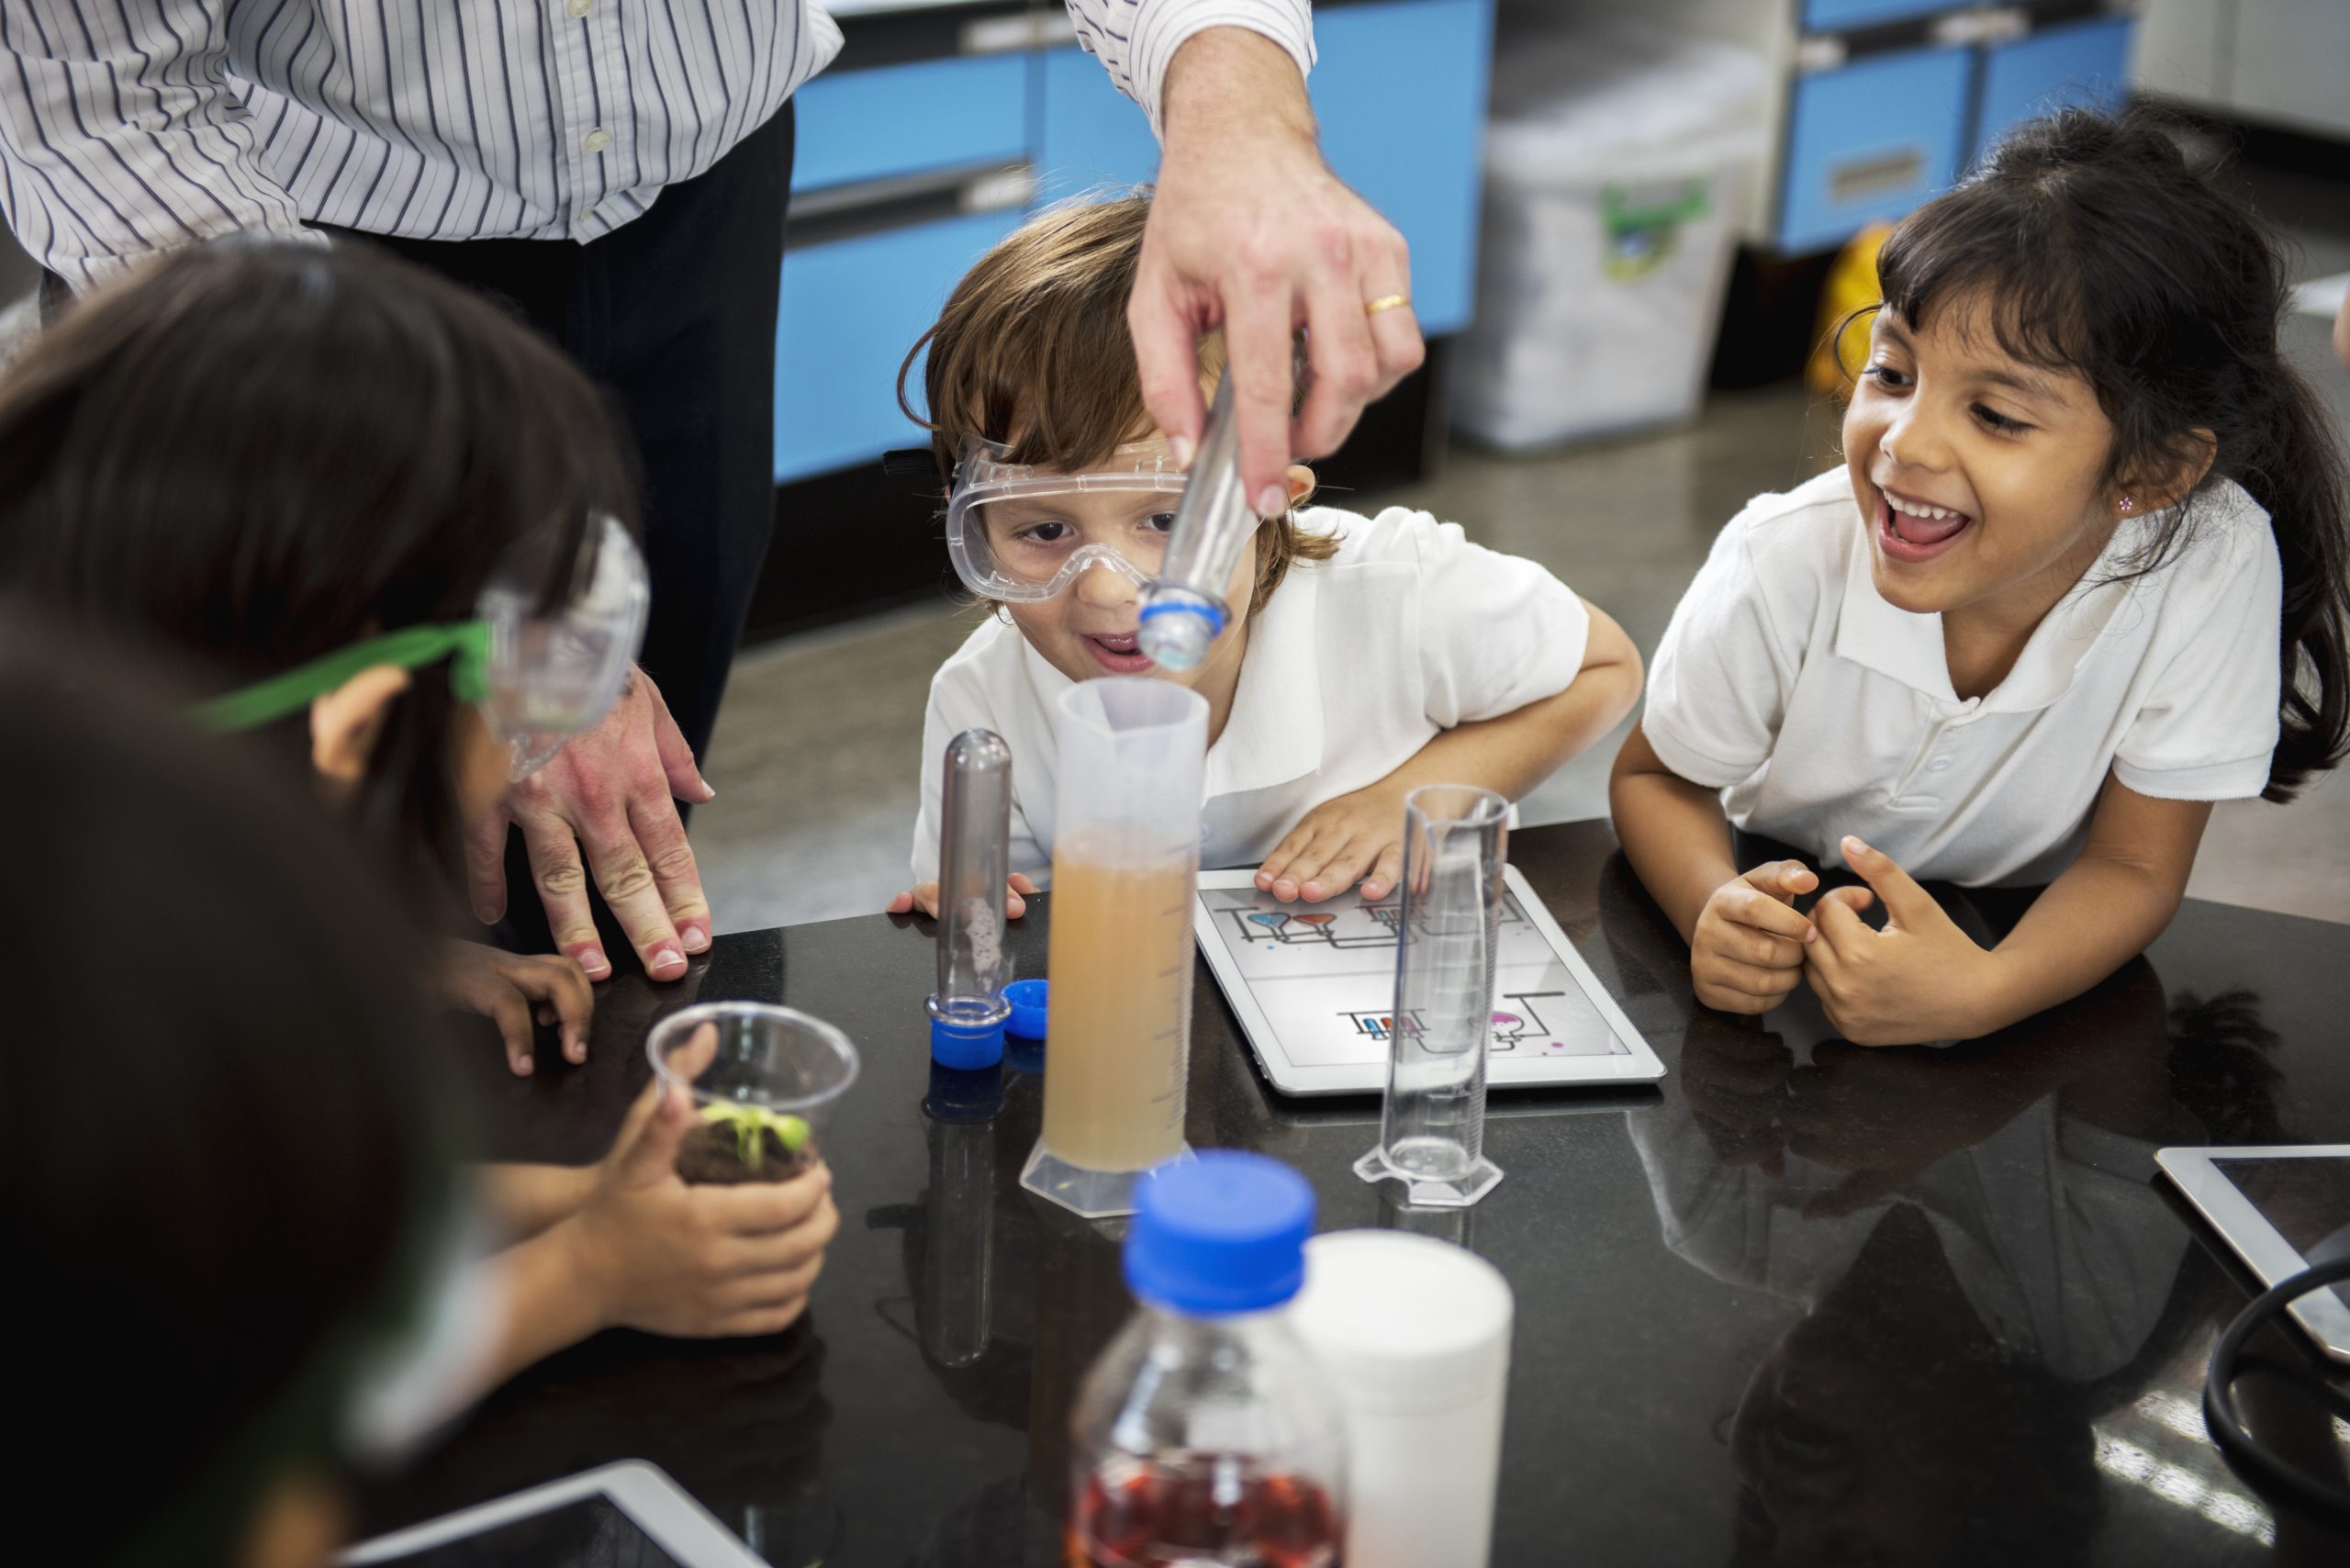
[{"x": 1386, "y": 302}]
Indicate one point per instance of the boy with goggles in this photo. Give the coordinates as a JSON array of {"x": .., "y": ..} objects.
[{"x": 1371, "y": 655}]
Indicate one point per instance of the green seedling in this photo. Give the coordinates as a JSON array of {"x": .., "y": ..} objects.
[{"x": 750, "y": 1122}]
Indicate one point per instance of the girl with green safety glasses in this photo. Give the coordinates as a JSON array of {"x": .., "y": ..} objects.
[
  {"x": 234, "y": 1212},
  {"x": 386, "y": 534}
]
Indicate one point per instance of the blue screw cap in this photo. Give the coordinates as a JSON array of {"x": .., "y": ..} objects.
[
  {"x": 1222, "y": 1234},
  {"x": 1028, "y": 998},
  {"x": 966, "y": 1049}
]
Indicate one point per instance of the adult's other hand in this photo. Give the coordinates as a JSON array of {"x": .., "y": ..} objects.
[
  {"x": 1251, "y": 233},
  {"x": 612, "y": 789}
]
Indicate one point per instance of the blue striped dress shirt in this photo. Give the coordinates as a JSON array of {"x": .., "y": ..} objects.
[{"x": 131, "y": 126}]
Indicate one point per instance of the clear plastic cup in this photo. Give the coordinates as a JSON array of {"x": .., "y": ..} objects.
[{"x": 764, "y": 1081}]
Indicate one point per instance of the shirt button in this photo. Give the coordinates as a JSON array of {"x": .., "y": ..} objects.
[
  {"x": 1939, "y": 765},
  {"x": 580, "y": 7},
  {"x": 597, "y": 140}
]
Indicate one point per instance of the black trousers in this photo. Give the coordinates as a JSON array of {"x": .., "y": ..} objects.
[{"x": 674, "y": 315}]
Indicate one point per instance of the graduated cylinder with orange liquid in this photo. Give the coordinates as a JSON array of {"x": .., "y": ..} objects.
[{"x": 1126, "y": 867}]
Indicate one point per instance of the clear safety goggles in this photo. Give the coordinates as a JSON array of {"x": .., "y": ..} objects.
[
  {"x": 538, "y": 678},
  {"x": 1017, "y": 532}
]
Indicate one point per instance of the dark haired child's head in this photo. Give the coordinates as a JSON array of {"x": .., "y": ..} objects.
[
  {"x": 1032, "y": 356},
  {"x": 227, "y": 1166},
  {"x": 250, "y": 455},
  {"x": 2084, "y": 333}
]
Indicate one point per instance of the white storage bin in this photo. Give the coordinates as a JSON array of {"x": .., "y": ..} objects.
[{"x": 1616, "y": 169}]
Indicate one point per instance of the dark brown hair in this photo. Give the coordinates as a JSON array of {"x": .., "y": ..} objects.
[
  {"x": 251, "y": 454},
  {"x": 2105, "y": 254},
  {"x": 1031, "y": 351}
]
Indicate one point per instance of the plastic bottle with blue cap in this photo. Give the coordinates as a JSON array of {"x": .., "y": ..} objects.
[
  {"x": 968, "y": 1010},
  {"x": 1206, "y": 1435}
]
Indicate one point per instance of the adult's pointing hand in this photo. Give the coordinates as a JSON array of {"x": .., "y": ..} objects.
[{"x": 1251, "y": 233}]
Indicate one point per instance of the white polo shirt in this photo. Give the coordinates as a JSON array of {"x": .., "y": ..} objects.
[
  {"x": 1352, "y": 666},
  {"x": 1818, "y": 709}
]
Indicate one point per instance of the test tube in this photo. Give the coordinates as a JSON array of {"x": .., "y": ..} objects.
[
  {"x": 1183, "y": 609},
  {"x": 968, "y": 1010},
  {"x": 1432, "y": 1127}
]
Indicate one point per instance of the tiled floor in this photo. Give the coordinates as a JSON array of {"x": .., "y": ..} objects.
[{"x": 816, "y": 758}]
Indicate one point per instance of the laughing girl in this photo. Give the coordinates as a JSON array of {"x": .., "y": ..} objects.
[{"x": 2081, "y": 576}]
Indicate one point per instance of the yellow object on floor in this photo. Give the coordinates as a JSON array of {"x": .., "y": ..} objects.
[{"x": 1851, "y": 286}]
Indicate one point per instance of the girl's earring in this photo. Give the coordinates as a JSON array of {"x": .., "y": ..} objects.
[{"x": 2128, "y": 505}]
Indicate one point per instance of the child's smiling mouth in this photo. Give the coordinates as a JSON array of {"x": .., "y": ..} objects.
[
  {"x": 1913, "y": 530},
  {"x": 1117, "y": 654}
]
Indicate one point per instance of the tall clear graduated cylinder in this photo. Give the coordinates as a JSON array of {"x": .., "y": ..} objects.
[
  {"x": 1125, "y": 865},
  {"x": 1183, "y": 610},
  {"x": 967, "y": 1009},
  {"x": 1432, "y": 1127}
]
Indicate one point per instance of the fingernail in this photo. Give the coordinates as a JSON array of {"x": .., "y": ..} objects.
[
  {"x": 1810, "y": 935},
  {"x": 1182, "y": 449},
  {"x": 1854, "y": 846},
  {"x": 485, "y": 915},
  {"x": 590, "y": 957},
  {"x": 665, "y": 959},
  {"x": 1271, "y": 501},
  {"x": 522, "y": 1065},
  {"x": 708, "y": 794},
  {"x": 694, "y": 938}
]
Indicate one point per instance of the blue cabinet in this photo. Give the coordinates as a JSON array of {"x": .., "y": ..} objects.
[
  {"x": 851, "y": 310},
  {"x": 904, "y": 119},
  {"x": 1092, "y": 138},
  {"x": 1400, "y": 90},
  {"x": 1831, "y": 16},
  {"x": 1872, "y": 141},
  {"x": 2085, "y": 63}
]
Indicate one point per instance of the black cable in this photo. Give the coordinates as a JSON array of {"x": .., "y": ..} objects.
[{"x": 2220, "y": 1417}]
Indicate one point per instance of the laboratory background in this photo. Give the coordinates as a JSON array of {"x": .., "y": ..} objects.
[{"x": 1706, "y": 1285}]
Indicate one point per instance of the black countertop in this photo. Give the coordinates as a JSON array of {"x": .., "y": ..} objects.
[{"x": 1807, "y": 1303}]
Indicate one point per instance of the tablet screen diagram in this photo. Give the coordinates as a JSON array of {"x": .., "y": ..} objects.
[{"x": 1324, "y": 977}]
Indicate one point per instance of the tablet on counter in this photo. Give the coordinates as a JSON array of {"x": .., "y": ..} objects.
[
  {"x": 2283, "y": 1210},
  {"x": 628, "y": 1515},
  {"x": 1314, "y": 986}
]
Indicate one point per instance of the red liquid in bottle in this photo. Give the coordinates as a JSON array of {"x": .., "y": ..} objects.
[{"x": 1195, "y": 1511}]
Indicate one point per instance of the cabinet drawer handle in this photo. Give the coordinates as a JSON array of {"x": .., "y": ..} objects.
[{"x": 872, "y": 207}]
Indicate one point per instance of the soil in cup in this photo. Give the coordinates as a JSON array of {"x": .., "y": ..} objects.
[
  {"x": 1119, "y": 1024},
  {"x": 729, "y": 1153}
]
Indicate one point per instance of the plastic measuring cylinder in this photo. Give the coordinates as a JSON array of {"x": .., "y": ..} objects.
[
  {"x": 1183, "y": 609},
  {"x": 967, "y": 1009},
  {"x": 1432, "y": 1126},
  {"x": 1125, "y": 865}
]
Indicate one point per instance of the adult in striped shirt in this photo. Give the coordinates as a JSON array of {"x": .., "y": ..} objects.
[{"x": 619, "y": 170}]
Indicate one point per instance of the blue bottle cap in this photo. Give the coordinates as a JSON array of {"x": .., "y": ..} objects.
[
  {"x": 964, "y": 1094},
  {"x": 1222, "y": 1234},
  {"x": 966, "y": 1049},
  {"x": 1028, "y": 998}
]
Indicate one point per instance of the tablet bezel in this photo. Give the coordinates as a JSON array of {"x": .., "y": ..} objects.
[
  {"x": 653, "y": 1502},
  {"x": 2247, "y": 1231},
  {"x": 1640, "y": 1065}
]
